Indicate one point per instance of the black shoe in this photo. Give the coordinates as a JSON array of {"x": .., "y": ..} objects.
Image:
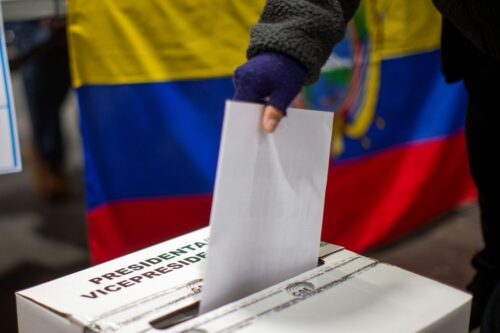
[
  {"x": 476, "y": 314},
  {"x": 481, "y": 287}
]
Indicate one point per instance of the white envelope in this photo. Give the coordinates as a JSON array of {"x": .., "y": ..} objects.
[{"x": 268, "y": 201}]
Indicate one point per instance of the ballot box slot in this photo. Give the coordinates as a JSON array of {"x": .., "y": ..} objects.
[
  {"x": 178, "y": 316},
  {"x": 190, "y": 311}
]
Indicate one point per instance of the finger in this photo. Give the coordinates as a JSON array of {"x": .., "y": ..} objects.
[{"x": 271, "y": 118}]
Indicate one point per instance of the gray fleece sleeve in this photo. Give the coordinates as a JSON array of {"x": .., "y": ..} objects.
[{"x": 305, "y": 30}]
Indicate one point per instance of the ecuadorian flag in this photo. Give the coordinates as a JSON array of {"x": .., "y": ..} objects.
[{"x": 152, "y": 77}]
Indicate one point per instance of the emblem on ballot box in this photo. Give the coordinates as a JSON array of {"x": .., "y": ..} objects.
[
  {"x": 195, "y": 285},
  {"x": 301, "y": 289}
]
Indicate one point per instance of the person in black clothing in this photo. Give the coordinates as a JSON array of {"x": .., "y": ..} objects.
[
  {"x": 292, "y": 41},
  {"x": 480, "y": 72},
  {"x": 41, "y": 54}
]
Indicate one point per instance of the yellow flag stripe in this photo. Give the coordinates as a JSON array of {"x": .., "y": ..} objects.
[
  {"x": 130, "y": 41},
  {"x": 402, "y": 27}
]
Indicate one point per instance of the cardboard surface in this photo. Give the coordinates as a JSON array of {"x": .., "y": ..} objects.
[
  {"x": 142, "y": 286},
  {"x": 349, "y": 293}
]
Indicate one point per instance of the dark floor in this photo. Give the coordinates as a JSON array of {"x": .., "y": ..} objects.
[
  {"x": 441, "y": 250},
  {"x": 40, "y": 240}
]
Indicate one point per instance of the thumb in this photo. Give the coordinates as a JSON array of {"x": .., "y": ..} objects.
[{"x": 271, "y": 118}]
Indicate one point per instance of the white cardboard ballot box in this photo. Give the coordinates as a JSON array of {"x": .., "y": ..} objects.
[{"x": 158, "y": 290}]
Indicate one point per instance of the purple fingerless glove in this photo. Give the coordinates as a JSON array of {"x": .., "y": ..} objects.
[{"x": 269, "y": 78}]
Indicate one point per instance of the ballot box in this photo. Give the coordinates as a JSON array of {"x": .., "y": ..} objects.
[{"x": 158, "y": 289}]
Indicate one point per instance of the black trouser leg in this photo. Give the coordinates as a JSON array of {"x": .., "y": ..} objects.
[
  {"x": 483, "y": 139},
  {"x": 491, "y": 318}
]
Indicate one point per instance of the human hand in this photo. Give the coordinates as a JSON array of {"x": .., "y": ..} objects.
[{"x": 270, "y": 78}]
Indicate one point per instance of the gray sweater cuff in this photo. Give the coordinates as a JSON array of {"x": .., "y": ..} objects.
[{"x": 305, "y": 30}]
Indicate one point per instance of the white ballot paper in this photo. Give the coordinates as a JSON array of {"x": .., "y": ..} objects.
[{"x": 268, "y": 201}]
